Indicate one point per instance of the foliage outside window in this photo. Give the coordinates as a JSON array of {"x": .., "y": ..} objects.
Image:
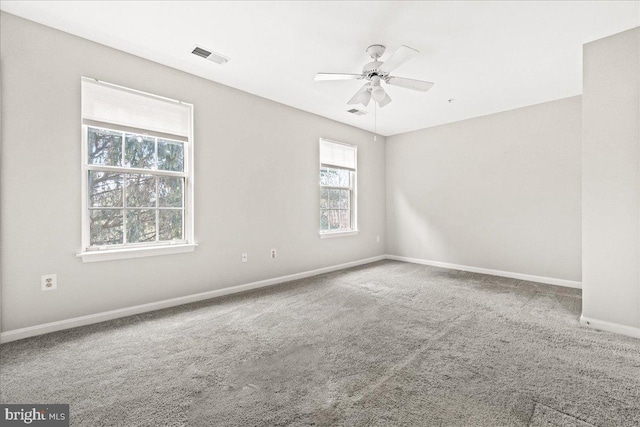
[
  {"x": 136, "y": 188},
  {"x": 335, "y": 199},
  {"x": 337, "y": 187}
]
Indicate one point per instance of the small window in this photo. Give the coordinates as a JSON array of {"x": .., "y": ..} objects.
[
  {"x": 337, "y": 188},
  {"x": 137, "y": 170}
]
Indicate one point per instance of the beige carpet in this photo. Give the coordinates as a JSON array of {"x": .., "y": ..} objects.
[{"x": 389, "y": 343}]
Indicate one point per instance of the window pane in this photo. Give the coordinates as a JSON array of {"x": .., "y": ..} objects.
[
  {"x": 141, "y": 191},
  {"x": 324, "y": 220},
  {"x": 343, "y": 202},
  {"x": 324, "y": 198},
  {"x": 343, "y": 177},
  {"x": 170, "y": 191},
  {"x": 105, "y": 227},
  {"x": 170, "y": 155},
  {"x": 141, "y": 225},
  {"x": 105, "y": 147},
  {"x": 324, "y": 176},
  {"x": 345, "y": 220},
  {"x": 334, "y": 219},
  {"x": 139, "y": 151},
  {"x": 334, "y": 179},
  {"x": 334, "y": 196},
  {"x": 170, "y": 224},
  {"x": 105, "y": 189}
]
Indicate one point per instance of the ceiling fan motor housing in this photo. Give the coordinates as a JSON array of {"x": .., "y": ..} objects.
[{"x": 371, "y": 70}]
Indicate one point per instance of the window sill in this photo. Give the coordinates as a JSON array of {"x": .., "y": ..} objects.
[
  {"x": 113, "y": 254},
  {"x": 329, "y": 235}
]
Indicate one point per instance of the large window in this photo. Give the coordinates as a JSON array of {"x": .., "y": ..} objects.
[
  {"x": 137, "y": 172},
  {"x": 337, "y": 188}
]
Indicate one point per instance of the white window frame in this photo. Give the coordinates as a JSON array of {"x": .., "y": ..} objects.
[
  {"x": 353, "y": 189},
  {"x": 136, "y": 250}
]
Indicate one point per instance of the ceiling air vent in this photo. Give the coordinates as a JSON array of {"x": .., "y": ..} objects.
[
  {"x": 357, "y": 112},
  {"x": 211, "y": 56}
]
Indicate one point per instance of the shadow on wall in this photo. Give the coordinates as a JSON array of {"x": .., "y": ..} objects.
[{"x": 426, "y": 240}]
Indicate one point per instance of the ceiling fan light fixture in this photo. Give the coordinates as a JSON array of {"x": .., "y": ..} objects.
[{"x": 378, "y": 93}]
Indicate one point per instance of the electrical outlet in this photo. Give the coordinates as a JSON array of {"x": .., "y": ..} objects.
[
  {"x": 49, "y": 282},
  {"x": 273, "y": 253},
  {"x": 244, "y": 258},
  {"x": 378, "y": 239}
]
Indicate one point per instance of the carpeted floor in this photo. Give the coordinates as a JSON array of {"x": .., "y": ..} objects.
[{"x": 388, "y": 343}]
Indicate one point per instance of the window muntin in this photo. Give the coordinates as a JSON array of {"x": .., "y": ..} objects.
[
  {"x": 135, "y": 189},
  {"x": 337, "y": 187}
]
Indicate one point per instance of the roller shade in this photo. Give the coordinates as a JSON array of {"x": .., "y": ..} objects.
[
  {"x": 106, "y": 103},
  {"x": 335, "y": 154}
]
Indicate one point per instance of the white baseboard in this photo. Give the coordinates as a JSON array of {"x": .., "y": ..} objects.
[
  {"x": 617, "y": 328},
  {"x": 32, "y": 331},
  {"x": 520, "y": 276}
]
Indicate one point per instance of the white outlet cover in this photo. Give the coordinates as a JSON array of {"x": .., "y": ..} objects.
[
  {"x": 49, "y": 279},
  {"x": 244, "y": 258},
  {"x": 274, "y": 254}
]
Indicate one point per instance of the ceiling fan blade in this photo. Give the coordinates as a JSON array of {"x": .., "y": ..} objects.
[
  {"x": 363, "y": 96},
  {"x": 337, "y": 76},
  {"x": 397, "y": 58},
  {"x": 420, "y": 85},
  {"x": 385, "y": 101}
]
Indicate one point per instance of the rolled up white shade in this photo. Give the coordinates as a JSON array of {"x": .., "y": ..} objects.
[
  {"x": 335, "y": 154},
  {"x": 103, "y": 102}
]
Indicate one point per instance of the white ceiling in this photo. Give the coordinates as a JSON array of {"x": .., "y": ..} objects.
[{"x": 486, "y": 56}]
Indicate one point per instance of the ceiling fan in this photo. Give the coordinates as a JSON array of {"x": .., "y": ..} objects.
[{"x": 377, "y": 72}]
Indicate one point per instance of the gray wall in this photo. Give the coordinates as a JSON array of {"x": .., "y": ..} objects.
[
  {"x": 499, "y": 192},
  {"x": 248, "y": 196},
  {"x": 611, "y": 179}
]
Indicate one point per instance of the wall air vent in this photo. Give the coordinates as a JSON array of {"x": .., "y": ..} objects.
[
  {"x": 357, "y": 112},
  {"x": 211, "y": 56}
]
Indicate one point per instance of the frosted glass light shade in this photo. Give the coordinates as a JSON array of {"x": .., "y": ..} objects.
[{"x": 377, "y": 93}]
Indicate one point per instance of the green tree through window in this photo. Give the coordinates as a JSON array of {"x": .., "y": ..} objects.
[{"x": 136, "y": 186}]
